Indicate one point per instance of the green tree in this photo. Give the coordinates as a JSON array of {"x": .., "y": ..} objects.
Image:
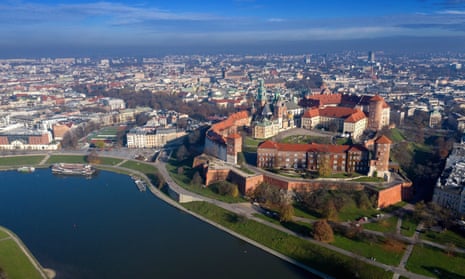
[
  {"x": 363, "y": 201},
  {"x": 286, "y": 212},
  {"x": 329, "y": 210},
  {"x": 322, "y": 231}
]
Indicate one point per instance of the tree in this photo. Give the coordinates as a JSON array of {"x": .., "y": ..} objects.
[
  {"x": 329, "y": 210},
  {"x": 363, "y": 202},
  {"x": 225, "y": 188},
  {"x": 182, "y": 153},
  {"x": 324, "y": 163},
  {"x": 196, "y": 179},
  {"x": 450, "y": 249},
  {"x": 180, "y": 170},
  {"x": 93, "y": 158},
  {"x": 322, "y": 231},
  {"x": 286, "y": 212}
]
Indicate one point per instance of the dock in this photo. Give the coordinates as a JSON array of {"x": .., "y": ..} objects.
[{"x": 141, "y": 185}]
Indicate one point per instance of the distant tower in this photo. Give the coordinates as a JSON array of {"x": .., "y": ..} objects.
[
  {"x": 371, "y": 57},
  {"x": 307, "y": 59},
  {"x": 261, "y": 94},
  {"x": 375, "y": 113},
  {"x": 280, "y": 109}
]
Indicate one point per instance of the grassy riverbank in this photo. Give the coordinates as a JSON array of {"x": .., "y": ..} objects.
[
  {"x": 14, "y": 262},
  {"x": 15, "y": 161},
  {"x": 325, "y": 260}
]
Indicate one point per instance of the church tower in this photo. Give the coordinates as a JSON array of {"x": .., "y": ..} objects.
[{"x": 261, "y": 94}]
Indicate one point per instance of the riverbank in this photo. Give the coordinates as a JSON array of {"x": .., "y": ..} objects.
[{"x": 17, "y": 261}]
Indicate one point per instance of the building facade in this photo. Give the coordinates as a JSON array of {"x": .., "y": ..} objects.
[{"x": 312, "y": 157}]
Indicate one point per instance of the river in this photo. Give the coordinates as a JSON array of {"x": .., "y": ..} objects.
[{"x": 104, "y": 227}]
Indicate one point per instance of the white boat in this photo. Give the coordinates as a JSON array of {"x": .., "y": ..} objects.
[{"x": 26, "y": 169}]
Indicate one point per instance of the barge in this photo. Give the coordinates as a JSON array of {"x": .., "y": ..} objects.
[{"x": 72, "y": 169}]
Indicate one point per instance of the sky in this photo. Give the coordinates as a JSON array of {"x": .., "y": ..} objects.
[{"x": 57, "y": 26}]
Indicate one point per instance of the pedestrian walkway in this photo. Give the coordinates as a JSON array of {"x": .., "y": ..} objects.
[
  {"x": 44, "y": 160},
  {"x": 120, "y": 163}
]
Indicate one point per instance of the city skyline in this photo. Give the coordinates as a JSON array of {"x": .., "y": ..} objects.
[{"x": 50, "y": 27}]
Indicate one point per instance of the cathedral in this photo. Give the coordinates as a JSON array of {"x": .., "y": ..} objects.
[{"x": 270, "y": 117}]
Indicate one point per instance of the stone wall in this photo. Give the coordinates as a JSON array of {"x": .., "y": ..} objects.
[{"x": 386, "y": 197}]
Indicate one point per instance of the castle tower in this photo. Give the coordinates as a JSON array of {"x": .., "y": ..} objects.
[
  {"x": 375, "y": 113},
  {"x": 380, "y": 162},
  {"x": 234, "y": 146},
  {"x": 261, "y": 94}
]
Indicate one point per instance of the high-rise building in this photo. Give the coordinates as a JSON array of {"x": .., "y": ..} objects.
[{"x": 371, "y": 56}]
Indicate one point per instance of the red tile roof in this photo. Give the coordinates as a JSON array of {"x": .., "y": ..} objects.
[
  {"x": 355, "y": 117},
  {"x": 268, "y": 144},
  {"x": 309, "y": 113},
  {"x": 383, "y": 140}
]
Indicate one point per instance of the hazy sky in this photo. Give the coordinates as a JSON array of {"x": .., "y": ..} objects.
[{"x": 181, "y": 23}]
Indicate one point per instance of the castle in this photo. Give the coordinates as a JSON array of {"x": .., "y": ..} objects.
[
  {"x": 222, "y": 140},
  {"x": 348, "y": 114},
  {"x": 371, "y": 159}
]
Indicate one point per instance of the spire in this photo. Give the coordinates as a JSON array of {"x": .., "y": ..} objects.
[{"x": 261, "y": 92}]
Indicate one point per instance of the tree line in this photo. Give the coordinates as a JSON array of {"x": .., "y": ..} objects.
[{"x": 158, "y": 100}]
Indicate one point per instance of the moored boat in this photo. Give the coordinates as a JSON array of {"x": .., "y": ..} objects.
[
  {"x": 72, "y": 169},
  {"x": 26, "y": 169}
]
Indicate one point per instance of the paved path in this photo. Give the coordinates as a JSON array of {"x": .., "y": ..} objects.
[
  {"x": 45, "y": 159},
  {"x": 120, "y": 163}
]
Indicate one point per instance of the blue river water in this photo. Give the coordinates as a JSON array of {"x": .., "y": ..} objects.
[{"x": 104, "y": 227}]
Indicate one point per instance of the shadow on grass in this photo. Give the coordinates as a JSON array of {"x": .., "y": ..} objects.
[
  {"x": 443, "y": 273},
  {"x": 235, "y": 218},
  {"x": 297, "y": 228},
  {"x": 308, "y": 211}
]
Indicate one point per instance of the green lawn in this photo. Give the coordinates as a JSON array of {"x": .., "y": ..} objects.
[
  {"x": 249, "y": 141},
  {"x": 396, "y": 135},
  {"x": 184, "y": 180},
  {"x": 306, "y": 139},
  {"x": 408, "y": 226},
  {"x": 351, "y": 212},
  {"x": 299, "y": 211},
  {"x": 110, "y": 161},
  {"x": 369, "y": 249},
  {"x": 14, "y": 262},
  {"x": 383, "y": 225},
  {"x": 139, "y": 166},
  {"x": 322, "y": 259},
  {"x": 21, "y": 160},
  {"x": 434, "y": 262},
  {"x": 368, "y": 179},
  {"x": 3, "y": 234},
  {"x": 79, "y": 159},
  {"x": 445, "y": 237}
]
